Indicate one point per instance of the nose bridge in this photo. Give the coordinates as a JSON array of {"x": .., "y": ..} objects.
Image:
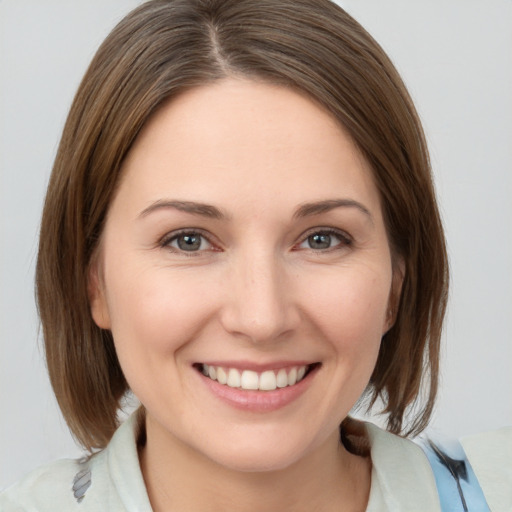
[{"x": 259, "y": 305}]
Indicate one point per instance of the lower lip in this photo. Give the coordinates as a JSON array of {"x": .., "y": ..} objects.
[{"x": 259, "y": 401}]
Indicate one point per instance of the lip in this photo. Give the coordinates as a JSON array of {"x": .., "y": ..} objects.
[{"x": 259, "y": 401}]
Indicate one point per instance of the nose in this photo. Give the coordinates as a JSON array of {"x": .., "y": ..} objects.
[{"x": 260, "y": 304}]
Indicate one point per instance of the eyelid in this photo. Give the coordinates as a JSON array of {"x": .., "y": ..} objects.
[
  {"x": 345, "y": 238},
  {"x": 165, "y": 241}
]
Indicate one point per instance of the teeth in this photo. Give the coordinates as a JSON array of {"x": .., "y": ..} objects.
[
  {"x": 222, "y": 376},
  {"x": 234, "y": 380},
  {"x": 247, "y": 379},
  {"x": 282, "y": 379},
  {"x": 268, "y": 381}
]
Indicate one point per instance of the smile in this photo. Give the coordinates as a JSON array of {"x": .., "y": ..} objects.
[{"x": 250, "y": 380}]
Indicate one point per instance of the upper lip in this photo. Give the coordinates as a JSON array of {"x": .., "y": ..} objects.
[{"x": 258, "y": 367}]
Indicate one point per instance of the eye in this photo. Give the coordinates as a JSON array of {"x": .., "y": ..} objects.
[
  {"x": 187, "y": 241},
  {"x": 324, "y": 239}
]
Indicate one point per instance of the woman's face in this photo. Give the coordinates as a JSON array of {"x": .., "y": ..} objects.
[{"x": 246, "y": 240}]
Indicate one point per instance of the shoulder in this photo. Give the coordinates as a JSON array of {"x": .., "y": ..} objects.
[
  {"x": 110, "y": 480},
  {"x": 490, "y": 455},
  {"x": 401, "y": 476},
  {"x": 46, "y": 488}
]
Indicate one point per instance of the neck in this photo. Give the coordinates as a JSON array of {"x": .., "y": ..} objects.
[{"x": 178, "y": 478}]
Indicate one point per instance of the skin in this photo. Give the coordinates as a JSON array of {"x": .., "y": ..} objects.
[{"x": 255, "y": 290}]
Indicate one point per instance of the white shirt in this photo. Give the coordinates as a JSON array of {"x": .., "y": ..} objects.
[{"x": 402, "y": 479}]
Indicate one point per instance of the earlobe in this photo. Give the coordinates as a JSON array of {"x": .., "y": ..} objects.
[{"x": 97, "y": 299}]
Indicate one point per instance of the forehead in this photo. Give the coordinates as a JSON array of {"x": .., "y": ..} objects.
[{"x": 238, "y": 139}]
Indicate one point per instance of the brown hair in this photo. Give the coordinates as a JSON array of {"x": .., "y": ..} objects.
[{"x": 167, "y": 46}]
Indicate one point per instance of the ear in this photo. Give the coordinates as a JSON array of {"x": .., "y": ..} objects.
[
  {"x": 395, "y": 293},
  {"x": 96, "y": 291}
]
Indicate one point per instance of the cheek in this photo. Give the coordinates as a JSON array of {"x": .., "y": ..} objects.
[
  {"x": 351, "y": 308},
  {"x": 155, "y": 312}
]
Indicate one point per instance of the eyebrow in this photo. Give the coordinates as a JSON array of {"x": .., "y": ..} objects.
[
  {"x": 212, "y": 212},
  {"x": 308, "y": 209},
  {"x": 202, "y": 209}
]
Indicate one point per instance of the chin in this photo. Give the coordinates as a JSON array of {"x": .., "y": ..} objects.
[
  {"x": 256, "y": 462},
  {"x": 254, "y": 455}
]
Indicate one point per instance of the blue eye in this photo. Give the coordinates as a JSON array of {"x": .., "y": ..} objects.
[
  {"x": 323, "y": 240},
  {"x": 188, "y": 242}
]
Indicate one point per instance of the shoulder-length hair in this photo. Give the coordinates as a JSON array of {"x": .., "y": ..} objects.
[{"x": 167, "y": 46}]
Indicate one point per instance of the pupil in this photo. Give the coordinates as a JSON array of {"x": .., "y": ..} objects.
[
  {"x": 189, "y": 242},
  {"x": 319, "y": 241}
]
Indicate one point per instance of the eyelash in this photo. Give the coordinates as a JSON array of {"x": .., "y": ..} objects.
[
  {"x": 165, "y": 242},
  {"x": 345, "y": 240}
]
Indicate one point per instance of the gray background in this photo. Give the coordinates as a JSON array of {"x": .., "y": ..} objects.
[{"x": 455, "y": 56}]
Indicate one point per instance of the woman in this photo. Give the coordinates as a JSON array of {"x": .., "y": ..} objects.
[{"x": 247, "y": 321}]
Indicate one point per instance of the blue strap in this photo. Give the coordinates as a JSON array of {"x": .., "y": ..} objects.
[{"x": 457, "y": 485}]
